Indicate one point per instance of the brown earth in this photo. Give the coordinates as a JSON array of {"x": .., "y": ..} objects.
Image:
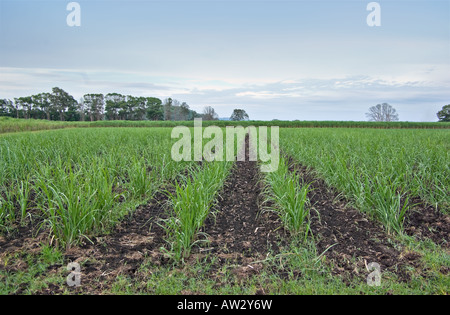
[
  {"x": 426, "y": 222},
  {"x": 104, "y": 258},
  {"x": 239, "y": 233},
  {"x": 122, "y": 252}
]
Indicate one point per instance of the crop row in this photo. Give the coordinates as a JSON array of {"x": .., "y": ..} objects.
[
  {"x": 380, "y": 171},
  {"x": 190, "y": 205},
  {"x": 9, "y": 125},
  {"x": 81, "y": 181}
]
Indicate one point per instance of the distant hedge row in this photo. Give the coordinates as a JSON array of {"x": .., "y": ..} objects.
[
  {"x": 280, "y": 123},
  {"x": 17, "y": 125}
]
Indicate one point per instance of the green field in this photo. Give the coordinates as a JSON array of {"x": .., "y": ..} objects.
[
  {"x": 379, "y": 170},
  {"x": 67, "y": 190},
  {"x": 8, "y": 124},
  {"x": 75, "y": 178}
]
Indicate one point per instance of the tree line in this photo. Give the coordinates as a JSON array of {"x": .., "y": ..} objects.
[
  {"x": 386, "y": 113},
  {"x": 60, "y": 105}
]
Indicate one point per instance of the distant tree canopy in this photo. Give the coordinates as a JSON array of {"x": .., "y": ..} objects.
[
  {"x": 382, "y": 112},
  {"x": 154, "y": 109},
  {"x": 60, "y": 105},
  {"x": 238, "y": 115},
  {"x": 209, "y": 114},
  {"x": 63, "y": 103},
  {"x": 444, "y": 114}
]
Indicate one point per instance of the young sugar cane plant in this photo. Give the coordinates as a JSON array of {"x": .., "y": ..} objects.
[
  {"x": 190, "y": 204},
  {"x": 289, "y": 198},
  {"x": 15, "y": 202},
  {"x": 75, "y": 205},
  {"x": 7, "y": 209},
  {"x": 389, "y": 206}
]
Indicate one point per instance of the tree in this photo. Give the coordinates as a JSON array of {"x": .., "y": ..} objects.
[
  {"x": 7, "y": 108},
  {"x": 238, "y": 115},
  {"x": 209, "y": 113},
  {"x": 73, "y": 112},
  {"x": 113, "y": 104},
  {"x": 176, "y": 112},
  {"x": 129, "y": 106},
  {"x": 184, "y": 111},
  {"x": 94, "y": 105},
  {"x": 168, "y": 109},
  {"x": 382, "y": 112},
  {"x": 61, "y": 100},
  {"x": 140, "y": 108},
  {"x": 4, "y": 108},
  {"x": 82, "y": 109},
  {"x": 444, "y": 114},
  {"x": 155, "y": 109},
  {"x": 41, "y": 103},
  {"x": 193, "y": 114},
  {"x": 27, "y": 104}
]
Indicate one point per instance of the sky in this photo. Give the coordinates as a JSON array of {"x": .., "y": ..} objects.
[{"x": 287, "y": 60}]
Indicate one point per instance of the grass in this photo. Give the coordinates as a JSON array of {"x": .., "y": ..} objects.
[
  {"x": 81, "y": 181},
  {"x": 290, "y": 199},
  {"x": 35, "y": 276},
  {"x": 280, "y": 123},
  {"x": 297, "y": 269},
  {"x": 190, "y": 205},
  {"x": 10, "y": 125}
]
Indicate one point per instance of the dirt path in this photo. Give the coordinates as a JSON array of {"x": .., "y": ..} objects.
[{"x": 238, "y": 233}]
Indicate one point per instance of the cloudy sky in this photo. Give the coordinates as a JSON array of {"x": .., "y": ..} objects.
[{"x": 298, "y": 59}]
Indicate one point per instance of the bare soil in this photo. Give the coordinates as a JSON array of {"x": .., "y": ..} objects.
[
  {"x": 124, "y": 250},
  {"x": 106, "y": 256},
  {"x": 426, "y": 222},
  {"x": 239, "y": 233}
]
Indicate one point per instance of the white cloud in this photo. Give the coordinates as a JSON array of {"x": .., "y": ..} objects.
[{"x": 419, "y": 94}]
